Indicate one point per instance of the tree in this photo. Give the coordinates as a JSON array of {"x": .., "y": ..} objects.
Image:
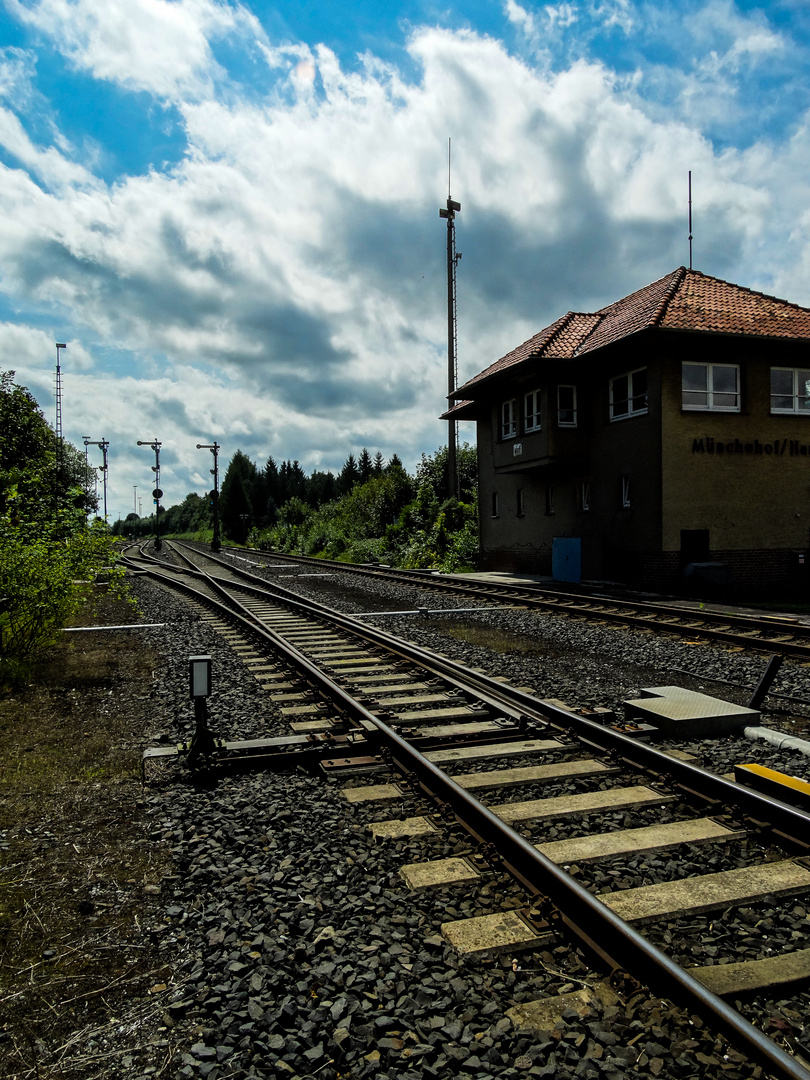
[
  {"x": 433, "y": 470},
  {"x": 349, "y": 475},
  {"x": 30, "y": 454},
  {"x": 273, "y": 483},
  {"x": 321, "y": 488},
  {"x": 47, "y": 548},
  {"x": 235, "y": 508},
  {"x": 364, "y": 465}
]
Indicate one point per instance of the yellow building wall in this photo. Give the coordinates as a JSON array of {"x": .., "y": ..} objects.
[{"x": 743, "y": 476}]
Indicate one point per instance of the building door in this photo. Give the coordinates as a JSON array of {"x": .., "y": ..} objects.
[{"x": 566, "y": 559}]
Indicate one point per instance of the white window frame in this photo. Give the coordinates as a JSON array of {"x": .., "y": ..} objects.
[
  {"x": 635, "y": 401},
  {"x": 626, "y": 491},
  {"x": 567, "y": 423},
  {"x": 509, "y": 419},
  {"x": 710, "y": 405},
  {"x": 531, "y": 411},
  {"x": 585, "y": 495},
  {"x": 800, "y": 403}
]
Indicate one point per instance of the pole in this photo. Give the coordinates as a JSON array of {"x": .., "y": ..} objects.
[
  {"x": 157, "y": 494},
  {"x": 103, "y": 443},
  {"x": 87, "y": 441},
  {"x": 216, "y": 544},
  {"x": 690, "y": 219},
  {"x": 60, "y": 441},
  {"x": 452, "y": 260}
]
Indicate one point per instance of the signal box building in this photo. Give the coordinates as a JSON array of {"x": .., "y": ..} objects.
[{"x": 663, "y": 437}]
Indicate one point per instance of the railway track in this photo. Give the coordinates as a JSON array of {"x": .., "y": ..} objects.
[
  {"x": 357, "y": 699},
  {"x": 781, "y": 634}
]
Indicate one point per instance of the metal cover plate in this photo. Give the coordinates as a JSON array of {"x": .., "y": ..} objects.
[{"x": 673, "y": 709}]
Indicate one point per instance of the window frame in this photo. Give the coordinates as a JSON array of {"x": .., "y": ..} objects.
[
  {"x": 626, "y": 502},
  {"x": 585, "y": 495},
  {"x": 631, "y": 398},
  {"x": 509, "y": 424},
  {"x": 550, "y": 508},
  {"x": 520, "y": 502},
  {"x": 567, "y": 423},
  {"x": 496, "y": 505},
  {"x": 710, "y": 392},
  {"x": 795, "y": 396},
  {"x": 532, "y": 421}
]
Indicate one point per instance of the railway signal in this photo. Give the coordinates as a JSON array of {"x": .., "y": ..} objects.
[
  {"x": 157, "y": 494},
  {"x": 214, "y": 447},
  {"x": 449, "y": 213},
  {"x": 103, "y": 443}
]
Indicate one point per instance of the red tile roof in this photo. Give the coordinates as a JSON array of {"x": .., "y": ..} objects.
[{"x": 683, "y": 300}]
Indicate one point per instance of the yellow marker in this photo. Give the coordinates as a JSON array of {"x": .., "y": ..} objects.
[{"x": 778, "y": 785}]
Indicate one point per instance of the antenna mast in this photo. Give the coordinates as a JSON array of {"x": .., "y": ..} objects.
[
  {"x": 690, "y": 219},
  {"x": 449, "y": 213},
  {"x": 60, "y": 442}
]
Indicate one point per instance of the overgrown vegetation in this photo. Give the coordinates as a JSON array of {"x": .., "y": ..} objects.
[
  {"x": 372, "y": 511},
  {"x": 78, "y": 867},
  {"x": 48, "y": 550}
]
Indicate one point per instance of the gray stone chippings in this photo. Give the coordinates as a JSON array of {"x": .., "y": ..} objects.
[{"x": 298, "y": 951}]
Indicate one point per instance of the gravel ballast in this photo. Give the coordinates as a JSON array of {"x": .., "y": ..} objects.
[{"x": 297, "y": 949}]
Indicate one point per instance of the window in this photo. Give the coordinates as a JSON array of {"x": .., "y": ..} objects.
[
  {"x": 520, "y": 502},
  {"x": 531, "y": 411},
  {"x": 790, "y": 390},
  {"x": 549, "y": 499},
  {"x": 496, "y": 510},
  {"x": 567, "y": 406},
  {"x": 711, "y": 386},
  {"x": 585, "y": 495},
  {"x": 509, "y": 419},
  {"x": 625, "y": 492},
  {"x": 628, "y": 394}
]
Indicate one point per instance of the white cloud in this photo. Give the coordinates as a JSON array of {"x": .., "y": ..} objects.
[
  {"x": 281, "y": 288},
  {"x": 521, "y": 18},
  {"x": 161, "y": 46},
  {"x": 614, "y": 13},
  {"x": 734, "y": 38},
  {"x": 50, "y": 165},
  {"x": 17, "y": 68},
  {"x": 561, "y": 15}
]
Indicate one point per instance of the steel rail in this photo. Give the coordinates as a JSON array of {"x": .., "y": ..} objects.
[
  {"x": 587, "y": 916},
  {"x": 786, "y": 822},
  {"x": 582, "y": 912},
  {"x": 643, "y": 615}
]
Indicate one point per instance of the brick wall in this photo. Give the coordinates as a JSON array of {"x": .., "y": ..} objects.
[
  {"x": 523, "y": 560},
  {"x": 754, "y": 573}
]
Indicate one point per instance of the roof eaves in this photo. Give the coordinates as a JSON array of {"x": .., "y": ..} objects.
[{"x": 516, "y": 357}]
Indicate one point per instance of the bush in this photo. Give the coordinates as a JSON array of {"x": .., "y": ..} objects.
[
  {"x": 43, "y": 576},
  {"x": 48, "y": 552}
]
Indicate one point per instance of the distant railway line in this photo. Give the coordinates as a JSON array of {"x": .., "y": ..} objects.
[{"x": 785, "y": 635}]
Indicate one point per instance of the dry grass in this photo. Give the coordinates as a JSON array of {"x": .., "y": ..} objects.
[{"x": 76, "y": 861}]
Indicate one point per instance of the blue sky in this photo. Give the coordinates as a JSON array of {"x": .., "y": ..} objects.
[{"x": 230, "y": 211}]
